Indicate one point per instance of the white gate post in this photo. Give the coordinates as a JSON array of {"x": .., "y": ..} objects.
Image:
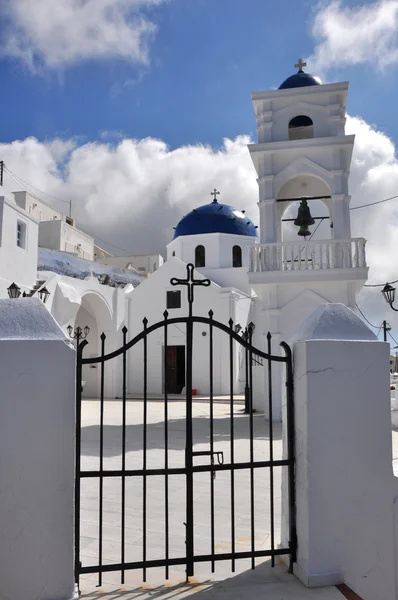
[
  {"x": 37, "y": 433},
  {"x": 345, "y": 488}
]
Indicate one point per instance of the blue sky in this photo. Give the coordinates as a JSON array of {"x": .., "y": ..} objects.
[
  {"x": 205, "y": 59},
  {"x": 105, "y": 96}
]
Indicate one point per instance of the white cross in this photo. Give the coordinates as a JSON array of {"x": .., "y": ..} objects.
[{"x": 300, "y": 64}]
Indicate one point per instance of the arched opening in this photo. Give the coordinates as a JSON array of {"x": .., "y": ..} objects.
[
  {"x": 304, "y": 186},
  {"x": 200, "y": 257},
  {"x": 94, "y": 313},
  {"x": 236, "y": 256},
  {"x": 301, "y": 128}
]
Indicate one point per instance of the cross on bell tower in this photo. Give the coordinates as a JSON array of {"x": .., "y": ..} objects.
[{"x": 300, "y": 65}]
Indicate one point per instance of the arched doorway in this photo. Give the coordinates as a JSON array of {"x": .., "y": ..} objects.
[{"x": 95, "y": 313}]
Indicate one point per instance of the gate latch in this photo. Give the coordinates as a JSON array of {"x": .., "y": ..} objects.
[{"x": 218, "y": 454}]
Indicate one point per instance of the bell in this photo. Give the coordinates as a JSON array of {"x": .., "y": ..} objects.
[{"x": 304, "y": 219}]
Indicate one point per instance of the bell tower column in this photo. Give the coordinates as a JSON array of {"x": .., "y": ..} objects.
[{"x": 268, "y": 210}]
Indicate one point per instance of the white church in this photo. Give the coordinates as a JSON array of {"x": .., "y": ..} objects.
[{"x": 273, "y": 277}]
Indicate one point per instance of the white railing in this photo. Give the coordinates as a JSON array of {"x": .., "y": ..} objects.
[{"x": 308, "y": 256}]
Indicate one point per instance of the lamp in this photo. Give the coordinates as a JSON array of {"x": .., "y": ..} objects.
[
  {"x": 388, "y": 292},
  {"x": 78, "y": 334},
  {"x": 43, "y": 294},
  {"x": 238, "y": 327},
  {"x": 14, "y": 291}
]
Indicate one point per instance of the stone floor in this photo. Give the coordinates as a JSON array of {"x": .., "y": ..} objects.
[
  {"x": 155, "y": 539},
  {"x": 264, "y": 581}
]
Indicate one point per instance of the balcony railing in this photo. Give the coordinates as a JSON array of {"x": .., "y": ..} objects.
[{"x": 308, "y": 256}]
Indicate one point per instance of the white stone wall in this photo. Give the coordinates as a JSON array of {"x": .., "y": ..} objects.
[
  {"x": 149, "y": 300},
  {"x": 37, "y": 431},
  {"x": 218, "y": 256},
  {"x": 16, "y": 264},
  {"x": 58, "y": 235},
  {"x": 145, "y": 262},
  {"x": 345, "y": 489},
  {"x": 34, "y": 207}
]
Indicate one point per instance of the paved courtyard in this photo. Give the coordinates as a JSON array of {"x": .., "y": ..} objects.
[
  {"x": 223, "y": 581},
  {"x": 155, "y": 543}
]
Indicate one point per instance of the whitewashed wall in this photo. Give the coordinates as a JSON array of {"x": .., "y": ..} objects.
[
  {"x": 58, "y": 235},
  {"x": 16, "y": 264},
  {"x": 149, "y": 300},
  {"x": 345, "y": 489},
  {"x": 37, "y": 429}
]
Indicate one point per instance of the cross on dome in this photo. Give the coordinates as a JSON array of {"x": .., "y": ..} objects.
[
  {"x": 300, "y": 64},
  {"x": 215, "y": 193}
]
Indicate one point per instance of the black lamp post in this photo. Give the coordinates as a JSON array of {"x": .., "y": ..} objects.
[
  {"x": 79, "y": 333},
  {"x": 43, "y": 294},
  {"x": 14, "y": 291},
  {"x": 388, "y": 292}
]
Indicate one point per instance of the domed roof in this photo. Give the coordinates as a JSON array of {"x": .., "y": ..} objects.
[
  {"x": 215, "y": 218},
  {"x": 300, "y": 79}
]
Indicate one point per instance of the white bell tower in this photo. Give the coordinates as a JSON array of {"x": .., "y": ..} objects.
[{"x": 303, "y": 153}]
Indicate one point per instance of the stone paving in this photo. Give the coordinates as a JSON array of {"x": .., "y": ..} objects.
[
  {"x": 264, "y": 582},
  {"x": 155, "y": 544}
]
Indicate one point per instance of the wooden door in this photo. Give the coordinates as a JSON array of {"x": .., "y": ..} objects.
[{"x": 171, "y": 375}]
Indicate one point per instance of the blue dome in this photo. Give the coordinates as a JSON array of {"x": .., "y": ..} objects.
[
  {"x": 215, "y": 218},
  {"x": 300, "y": 79}
]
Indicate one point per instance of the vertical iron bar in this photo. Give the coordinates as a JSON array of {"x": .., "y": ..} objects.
[
  {"x": 250, "y": 359},
  {"x": 271, "y": 449},
  {"x": 144, "y": 466},
  {"x": 78, "y": 456},
  {"x": 291, "y": 455},
  {"x": 123, "y": 524},
  {"x": 101, "y": 467},
  {"x": 212, "y": 474},
  {"x": 188, "y": 452},
  {"x": 166, "y": 450},
  {"x": 231, "y": 384},
  {"x": 247, "y": 389}
]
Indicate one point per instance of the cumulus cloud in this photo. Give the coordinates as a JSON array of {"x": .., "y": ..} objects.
[
  {"x": 131, "y": 193},
  {"x": 355, "y": 35},
  {"x": 60, "y": 33}
]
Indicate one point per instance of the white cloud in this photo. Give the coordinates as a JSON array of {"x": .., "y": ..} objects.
[
  {"x": 132, "y": 193},
  {"x": 355, "y": 35},
  {"x": 60, "y": 33}
]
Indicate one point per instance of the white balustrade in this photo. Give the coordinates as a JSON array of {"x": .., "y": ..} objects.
[{"x": 308, "y": 256}]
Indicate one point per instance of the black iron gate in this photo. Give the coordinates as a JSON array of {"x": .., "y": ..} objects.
[{"x": 216, "y": 464}]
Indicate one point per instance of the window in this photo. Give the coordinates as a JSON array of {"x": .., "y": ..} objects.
[
  {"x": 21, "y": 234},
  {"x": 200, "y": 256},
  {"x": 173, "y": 299},
  {"x": 174, "y": 253},
  {"x": 236, "y": 256},
  {"x": 301, "y": 128}
]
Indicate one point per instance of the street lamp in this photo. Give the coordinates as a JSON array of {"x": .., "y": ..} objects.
[
  {"x": 79, "y": 333},
  {"x": 43, "y": 294},
  {"x": 388, "y": 292},
  {"x": 14, "y": 291}
]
